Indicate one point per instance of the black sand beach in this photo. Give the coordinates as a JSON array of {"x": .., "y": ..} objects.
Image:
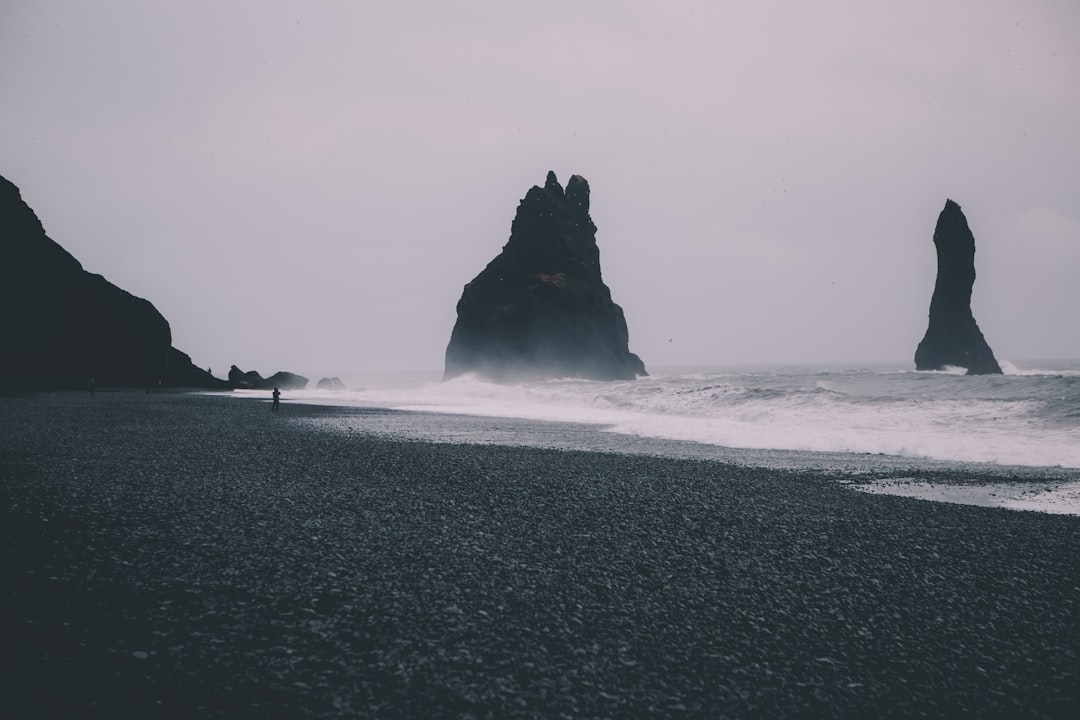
[{"x": 184, "y": 555}]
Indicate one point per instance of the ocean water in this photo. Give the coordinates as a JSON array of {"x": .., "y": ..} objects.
[{"x": 1028, "y": 417}]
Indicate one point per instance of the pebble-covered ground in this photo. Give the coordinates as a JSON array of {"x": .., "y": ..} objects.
[{"x": 183, "y": 555}]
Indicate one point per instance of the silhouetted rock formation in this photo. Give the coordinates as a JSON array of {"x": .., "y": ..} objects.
[
  {"x": 244, "y": 380},
  {"x": 541, "y": 308},
  {"x": 330, "y": 383},
  {"x": 181, "y": 372},
  {"x": 61, "y": 326},
  {"x": 286, "y": 381},
  {"x": 952, "y": 337},
  {"x": 254, "y": 381}
]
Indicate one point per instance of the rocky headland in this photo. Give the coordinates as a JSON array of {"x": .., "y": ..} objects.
[
  {"x": 953, "y": 338},
  {"x": 541, "y": 308},
  {"x": 64, "y": 327}
]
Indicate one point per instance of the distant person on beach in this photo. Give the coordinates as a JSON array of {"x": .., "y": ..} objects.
[
  {"x": 277, "y": 400},
  {"x": 90, "y": 386}
]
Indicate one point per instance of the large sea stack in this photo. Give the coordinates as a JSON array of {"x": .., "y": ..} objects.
[
  {"x": 541, "y": 308},
  {"x": 61, "y": 326},
  {"x": 952, "y": 337}
]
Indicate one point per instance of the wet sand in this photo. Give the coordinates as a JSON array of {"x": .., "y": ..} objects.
[
  {"x": 1048, "y": 497},
  {"x": 184, "y": 555}
]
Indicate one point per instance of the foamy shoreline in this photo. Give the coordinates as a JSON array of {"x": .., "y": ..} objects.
[
  {"x": 1034, "y": 488},
  {"x": 183, "y": 554},
  {"x": 1025, "y": 419}
]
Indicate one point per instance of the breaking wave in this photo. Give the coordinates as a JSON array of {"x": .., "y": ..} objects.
[{"x": 1025, "y": 417}]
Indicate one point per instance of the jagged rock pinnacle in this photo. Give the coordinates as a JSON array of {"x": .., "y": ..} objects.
[
  {"x": 953, "y": 337},
  {"x": 541, "y": 308}
]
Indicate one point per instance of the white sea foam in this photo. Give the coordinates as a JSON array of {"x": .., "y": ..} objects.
[
  {"x": 1022, "y": 418},
  {"x": 1010, "y": 369}
]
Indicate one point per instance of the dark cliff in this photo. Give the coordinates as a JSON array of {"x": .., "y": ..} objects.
[
  {"x": 953, "y": 337},
  {"x": 541, "y": 308},
  {"x": 62, "y": 326}
]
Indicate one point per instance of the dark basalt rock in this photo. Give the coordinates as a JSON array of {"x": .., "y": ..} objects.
[
  {"x": 182, "y": 372},
  {"x": 286, "y": 381},
  {"x": 330, "y": 383},
  {"x": 62, "y": 326},
  {"x": 245, "y": 380},
  {"x": 252, "y": 380},
  {"x": 952, "y": 337},
  {"x": 541, "y": 308}
]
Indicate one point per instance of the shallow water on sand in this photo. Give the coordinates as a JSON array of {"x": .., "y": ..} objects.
[{"x": 1059, "y": 498}]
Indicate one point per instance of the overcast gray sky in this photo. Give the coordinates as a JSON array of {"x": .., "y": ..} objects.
[{"x": 309, "y": 185}]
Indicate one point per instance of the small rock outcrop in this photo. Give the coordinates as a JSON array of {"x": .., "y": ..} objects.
[
  {"x": 244, "y": 380},
  {"x": 952, "y": 337},
  {"x": 286, "y": 381},
  {"x": 61, "y": 326},
  {"x": 330, "y": 383},
  {"x": 541, "y": 309},
  {"x": 252, "y": 380}
]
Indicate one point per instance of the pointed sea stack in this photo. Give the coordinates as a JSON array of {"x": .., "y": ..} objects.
[
  {"x": 952, "y": 337},
  {"x": 541, "y": 309}
]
